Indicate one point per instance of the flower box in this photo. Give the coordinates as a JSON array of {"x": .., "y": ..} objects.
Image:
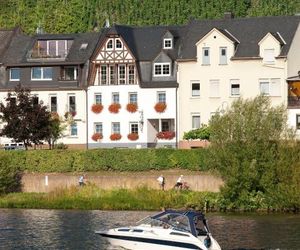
[
  {"x": 70, "y": 114},
  {"x": 131, "y": 107},
  {"x": 160, "y": 107},
  {"x": 115, "y": 137},
  {"x": 97, "y": 137},
  {"x": 114, "y": 108},
  {"x": 166, "y": 135},
  {"x": 133, "y": 136},
  {"x": 97, "y": 108}
]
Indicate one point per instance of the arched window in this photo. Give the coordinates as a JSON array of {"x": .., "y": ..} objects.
[
  {"x": 109, "y": 44},
  {"x": 119, "y": 44}
]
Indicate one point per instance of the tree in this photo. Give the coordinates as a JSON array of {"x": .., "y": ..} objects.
[
  {"x": 26, "y": 120},
  {"x": 247, "y": 147},
  {"x": 57, "y": 126}
]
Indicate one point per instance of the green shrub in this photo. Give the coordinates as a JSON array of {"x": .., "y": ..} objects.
[
  {"x": 108, "y": 160},
  {"x": 10, "y": 175},
  {"x": 202, "y": 133}
]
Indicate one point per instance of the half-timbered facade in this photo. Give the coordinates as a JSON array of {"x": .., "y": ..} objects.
[{"x": 132, "y": 92}]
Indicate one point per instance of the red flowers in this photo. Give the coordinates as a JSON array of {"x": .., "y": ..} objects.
[
  {"x": 97, "y": 136},
  {"x": 131, "y": 107},
  {"x": 114, "y": 108},
  {"x": 97, "y": 108},
  {"x": 160, "y": 107},
  {"x": 115, "y": 137},
  {"x": 133, "y": 136},
  {"x": 166, "y": 135}
]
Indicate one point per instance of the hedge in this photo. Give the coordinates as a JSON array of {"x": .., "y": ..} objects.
[{"x": 106, "y": 159}]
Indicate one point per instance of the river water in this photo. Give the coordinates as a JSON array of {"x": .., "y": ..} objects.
[{"x": 74, "y": 229}]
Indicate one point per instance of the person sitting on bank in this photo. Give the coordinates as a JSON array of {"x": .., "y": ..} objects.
[
  {"x": 179, "y": 182},
  {"x": 162, "y": 182}
]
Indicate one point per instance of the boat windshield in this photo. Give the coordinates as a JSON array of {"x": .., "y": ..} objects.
[{"x": 176, "y": 221}]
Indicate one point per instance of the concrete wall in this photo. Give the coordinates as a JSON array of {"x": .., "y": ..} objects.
[{"x": 197, "y": 181}]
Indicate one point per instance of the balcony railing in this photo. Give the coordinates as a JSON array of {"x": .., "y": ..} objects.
[
  {"x": 293, "y": 101},
  {"x": 37, "y": 54}
]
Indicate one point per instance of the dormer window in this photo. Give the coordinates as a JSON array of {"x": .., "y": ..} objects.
[
  {"x": 119, "y": 44},
  {"x": 109, "y": 45},
  {"x": 168, "y": 43},
  {"x": 51, "y": 49},
  {"x": 269, "y": 56},
  {"x": 162, "y": 69}
]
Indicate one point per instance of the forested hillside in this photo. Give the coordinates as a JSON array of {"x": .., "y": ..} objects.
[{"x": 67, "y": 16}]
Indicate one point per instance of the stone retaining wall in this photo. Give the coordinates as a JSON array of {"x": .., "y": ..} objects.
[{"x": 109, "y": 180}]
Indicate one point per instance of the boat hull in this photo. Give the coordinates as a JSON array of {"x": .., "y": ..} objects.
[{"x": 141, "y": 243}]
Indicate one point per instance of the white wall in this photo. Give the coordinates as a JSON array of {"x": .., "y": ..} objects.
[
  {"x": 147, "y": 98},
  {"x": 62, "y": 108},
  {"x": 249, "y": 72}
]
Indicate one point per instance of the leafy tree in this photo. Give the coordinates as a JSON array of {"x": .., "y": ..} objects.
[
  {"x": 247, "y": 146},
  {"x": 57, "y": 126},
  {"x": 26, "y": 120},
  {"x": 202, "y": 133}
]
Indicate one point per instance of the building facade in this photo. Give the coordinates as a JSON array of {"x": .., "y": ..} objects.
[{"x": 138, "y": 87}]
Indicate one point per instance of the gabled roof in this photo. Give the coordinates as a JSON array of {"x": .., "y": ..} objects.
[
  {"x": 17, "y": 52},
  {"x": 146, "y": 42},
  {"x": 248, "y": 31}
]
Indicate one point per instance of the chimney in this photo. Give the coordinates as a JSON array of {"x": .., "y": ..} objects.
[{"x": 228, "y": 15}]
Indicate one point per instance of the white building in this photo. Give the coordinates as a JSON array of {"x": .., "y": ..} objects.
[{"x": 225, "y": 59}]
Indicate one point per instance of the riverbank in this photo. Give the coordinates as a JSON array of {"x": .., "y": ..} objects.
[
  {"x": 91, "y": 197},
  {"x": 108, "y": 180}
]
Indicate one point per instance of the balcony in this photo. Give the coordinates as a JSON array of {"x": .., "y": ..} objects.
[{"x": 41, "y": 55}]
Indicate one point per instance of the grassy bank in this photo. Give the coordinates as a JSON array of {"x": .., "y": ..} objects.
[{"x": 91, "y": 197}]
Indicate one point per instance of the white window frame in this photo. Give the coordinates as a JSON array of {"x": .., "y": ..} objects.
[
  {"x": 269, "y": 58},
  {"x": 42, "y": 74},
  {"x": 194, "y": 115},
  {"x": 214, "y": 88},
  {"x": 113, "y": 128},
  {"x": 115, "y": 94},
  {"x": 161, "y": 65},
  {"x": 130, "y": 127},
  {"x": 171, "y": 43},
  {"x": 119, "y": 75},
  {"x": 50, "y": 104},
  {"x": 194, "y": 95},
  {"x": 235, "y": 82},
  {"x": 274, "y": 86},
  {"x": 264, "y": 82},
  {"x": 205, "y": 59},
  {"x": 129, "y": 97},
  {"x": 69, "y": 106},
  {"x": 101, "y": 127},
  {"x": 95, "y": 98},
  {"x": 10, "y": 74},
  {"x": 116, "y": 48},
  {"x": 129, "y": 74},
  {"x": 112, "y": 42},
  {"x": 223, "y": 59},
  {"x": 159, "y": 93}
]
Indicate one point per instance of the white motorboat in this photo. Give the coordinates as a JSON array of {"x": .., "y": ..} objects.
[{"x": 167, "y": 230}]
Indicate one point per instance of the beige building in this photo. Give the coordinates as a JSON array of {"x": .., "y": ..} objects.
[{"x": 225, "y": 59}]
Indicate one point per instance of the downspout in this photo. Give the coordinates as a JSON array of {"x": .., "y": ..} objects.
[{"x": 86, "y": 106}]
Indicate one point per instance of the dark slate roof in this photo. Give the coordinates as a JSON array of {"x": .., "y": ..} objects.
[
  {"x": 146, "y": 42},
  {"x": 248, "y": 31},
  {"x": 22, "y": 44},
  {"x": 5, "y": 38}
]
